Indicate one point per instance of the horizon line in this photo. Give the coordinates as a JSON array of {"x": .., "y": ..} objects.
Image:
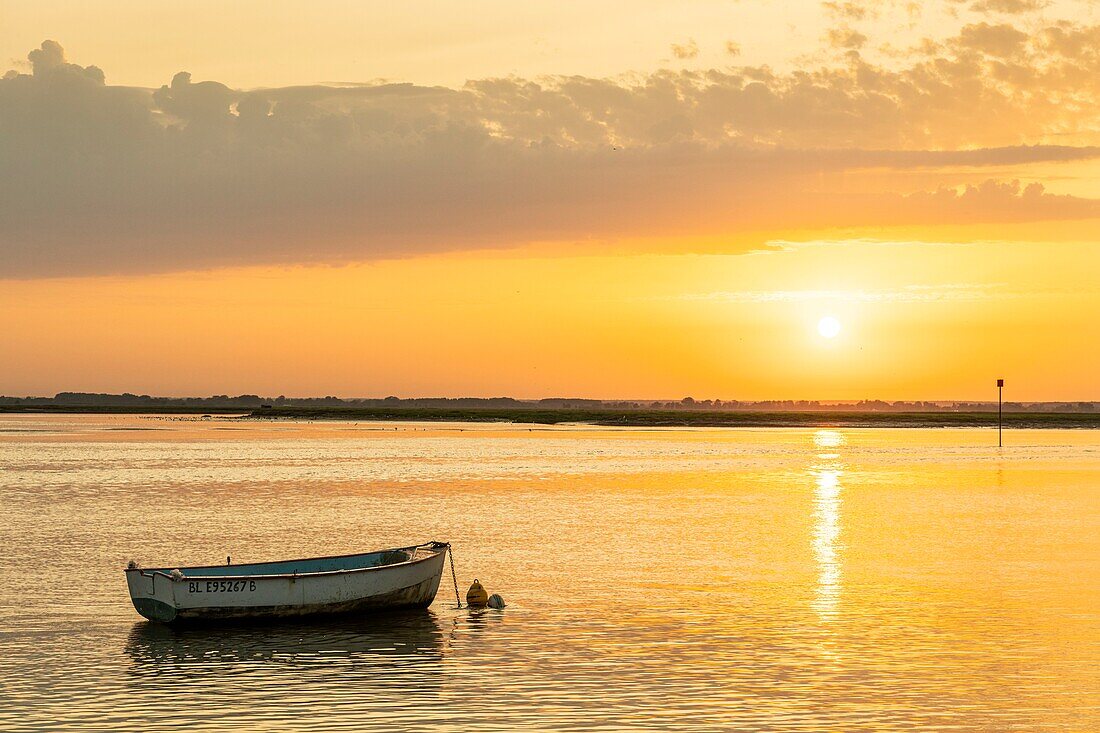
[{"x": 640, "y": 401}]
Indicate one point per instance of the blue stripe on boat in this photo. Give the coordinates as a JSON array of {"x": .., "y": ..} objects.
[{"x": 312, "y": 565}]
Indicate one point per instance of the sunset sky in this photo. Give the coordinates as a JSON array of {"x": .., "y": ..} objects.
[{"x": 618, "y": 200}]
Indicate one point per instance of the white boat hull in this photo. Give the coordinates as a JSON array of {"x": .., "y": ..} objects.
[{"x": 195, "y": 595}]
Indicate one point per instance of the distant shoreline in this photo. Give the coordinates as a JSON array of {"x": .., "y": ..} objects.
[{"x": 621, "y": 418}]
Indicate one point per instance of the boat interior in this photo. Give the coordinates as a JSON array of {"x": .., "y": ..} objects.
[{"x": 308, "y": 565}]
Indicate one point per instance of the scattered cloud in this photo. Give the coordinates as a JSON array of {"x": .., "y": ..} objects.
[
  {"x": 1001, "y": 41},
  {"x": 849, "y": 10},
  {"x": 1000, "y": 201},
  {"x": 845, "y": 38},
  {"x": 1007, "y": 7},
  {"x": 908, "y": 294},
  {"x": 733, "y": 48},
  {"x": 687, "y": 50}
]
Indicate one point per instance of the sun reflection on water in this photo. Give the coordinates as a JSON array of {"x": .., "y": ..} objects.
[{"x": 826, "y": 530}]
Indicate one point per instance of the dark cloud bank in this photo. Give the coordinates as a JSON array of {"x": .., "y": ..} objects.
[{"x": 101, "y": 179}]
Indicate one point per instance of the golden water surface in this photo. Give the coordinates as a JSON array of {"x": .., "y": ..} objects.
[{"x": 777, "y": 579}]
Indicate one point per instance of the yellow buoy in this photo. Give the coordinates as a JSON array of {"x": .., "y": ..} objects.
[{"x": 476, "y": 596}]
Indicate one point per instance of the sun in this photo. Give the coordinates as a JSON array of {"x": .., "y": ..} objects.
[{"x": 828, "y": 327}]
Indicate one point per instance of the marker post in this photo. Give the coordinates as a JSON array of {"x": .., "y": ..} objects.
[{"x": 1000, "y": 389}]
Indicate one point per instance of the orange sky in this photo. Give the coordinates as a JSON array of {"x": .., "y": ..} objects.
[
  {"x": 920, "y": 321},
  {"x": 673, "y": 218}
]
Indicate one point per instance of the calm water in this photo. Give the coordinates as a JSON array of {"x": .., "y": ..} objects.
[{"x": 781, "y": 580}]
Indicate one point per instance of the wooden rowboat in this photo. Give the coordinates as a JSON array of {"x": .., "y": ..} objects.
[{"x": 403, "y": 577}]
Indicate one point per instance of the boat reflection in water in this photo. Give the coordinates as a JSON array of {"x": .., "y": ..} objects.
[{"x": 398, "y": 651}]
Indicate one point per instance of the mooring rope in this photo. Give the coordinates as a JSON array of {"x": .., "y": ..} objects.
[{"x": 454, "y": 577}]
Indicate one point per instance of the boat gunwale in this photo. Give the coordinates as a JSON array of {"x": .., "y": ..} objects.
[{"x": 149, "y": 572}]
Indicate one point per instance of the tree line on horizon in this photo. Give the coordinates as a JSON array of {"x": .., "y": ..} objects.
[{"x": 257, "y": 402}]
